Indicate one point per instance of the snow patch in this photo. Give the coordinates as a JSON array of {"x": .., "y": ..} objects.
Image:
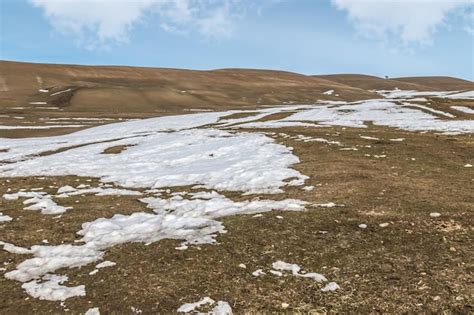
[
  {"x": 67, "y": 191},
  {"x": 38, "y": 201},
  {"x": 189, "y": 307},
  {"x": 331, "y": 286},
  {"x": 5, "y": 218},
  {"x": 51, "y": 288},
  {"x": 463, "y": 109},
  {"x": 105, "y": 264},
  {"x": 92, "y": 311},
  {"x": 295, "y": 271}
]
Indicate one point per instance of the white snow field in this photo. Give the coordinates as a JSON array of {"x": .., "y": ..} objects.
[
  {"x": 198, "y": 150},
  {"x": 416, "y": 94},
  {"x": 379, "y": 112}
]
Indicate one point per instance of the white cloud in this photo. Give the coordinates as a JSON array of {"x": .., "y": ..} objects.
[
  {"x": 98, "y": 23},
  {"x": 411, "y": 21}
]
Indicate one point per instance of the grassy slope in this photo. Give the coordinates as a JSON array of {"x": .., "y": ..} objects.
[
  {"x": 118, "y": 89},
  {"x": 415, "y": 83},
  {"x": 114, "y": 90}
]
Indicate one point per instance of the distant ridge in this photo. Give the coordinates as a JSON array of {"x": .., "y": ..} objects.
[{"x": 123, "y": 89}]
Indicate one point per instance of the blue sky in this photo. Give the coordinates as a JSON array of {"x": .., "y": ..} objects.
[{"x": 383, "y": 37}]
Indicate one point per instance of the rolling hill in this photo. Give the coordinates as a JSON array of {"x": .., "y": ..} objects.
[{"x": 120, "y": 89}]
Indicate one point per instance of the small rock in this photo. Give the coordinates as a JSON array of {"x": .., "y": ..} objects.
[
  {"x": 435, "y": 214},
  {"x": 243, "y": 266},
  {"x": 285, "y": 305},
  {"x": 363, "y": 226},
  {"x": 468, "y": 165},
  {"x": 382, "y": 225}
]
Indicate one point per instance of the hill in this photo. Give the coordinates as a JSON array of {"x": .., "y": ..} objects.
[{"x": 143, "y": 91}]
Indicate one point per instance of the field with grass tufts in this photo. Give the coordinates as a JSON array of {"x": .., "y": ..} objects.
[{"x": 338, "y": 203}]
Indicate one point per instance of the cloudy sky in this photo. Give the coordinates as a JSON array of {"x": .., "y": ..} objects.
[{"x": 379, "y": 37}]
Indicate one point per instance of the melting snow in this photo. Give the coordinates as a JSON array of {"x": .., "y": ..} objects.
[
  {"x": 463, "y": 95},
  {"x": 92, "y": 311},
  {"x": 51, "y": 288},
  {"x": 189, "y": 307},
  {"x": 258, "y": 272},
  {"x": 308, "y": 188},
  {"x": 463, "y": 109},
  {"x": 434, "y": 111},
  {"x": 39, "y": 201},
  {"x": 369, "y": 138},
  {"x": 5, "y": 218},
  {"x": 175, "y": 218},
  {"x": 67, "y": 191},
  {"x": 213, "y": 158},
  {"x": 331, "y": 286},
  {"x": 397, "y": 93},
  {"x": 60, "y": 92},
  {"x": 167, "y": 151},
  {"x": 295, "y": 271},
  {"x": 380, "y": 112},
  {"x": 15, "y": 249},
  {"x": 221, "y": 308},
  {"x": 105, "y": 264}
]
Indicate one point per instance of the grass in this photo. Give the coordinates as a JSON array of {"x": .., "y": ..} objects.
[{"x": 417, "y": 264}]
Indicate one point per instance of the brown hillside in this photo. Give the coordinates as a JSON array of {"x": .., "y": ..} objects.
[
  {"x": 368, "y": 82},
  {"x": 442, "y": 83},
  {"x": 134, "y": 89},
  {"x": 133, "y": 92}
]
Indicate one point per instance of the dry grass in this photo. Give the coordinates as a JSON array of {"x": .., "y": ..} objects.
[
  {"x": 115, "y": 149},
  {"x": 417, "y": 264}
]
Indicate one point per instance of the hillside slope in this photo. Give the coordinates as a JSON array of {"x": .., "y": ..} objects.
[
  {"x": 119, "y": 89},
  {"x": 442, "y": 83},
  {"x": 368, "y": 82}
]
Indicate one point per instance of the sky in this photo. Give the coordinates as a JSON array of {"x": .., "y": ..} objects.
[{"x": 377, "y": 37}]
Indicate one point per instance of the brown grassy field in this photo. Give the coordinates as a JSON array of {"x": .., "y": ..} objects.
[
  {"x": 414, "y": 264},
  {"x": 133, "y": 92}
]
